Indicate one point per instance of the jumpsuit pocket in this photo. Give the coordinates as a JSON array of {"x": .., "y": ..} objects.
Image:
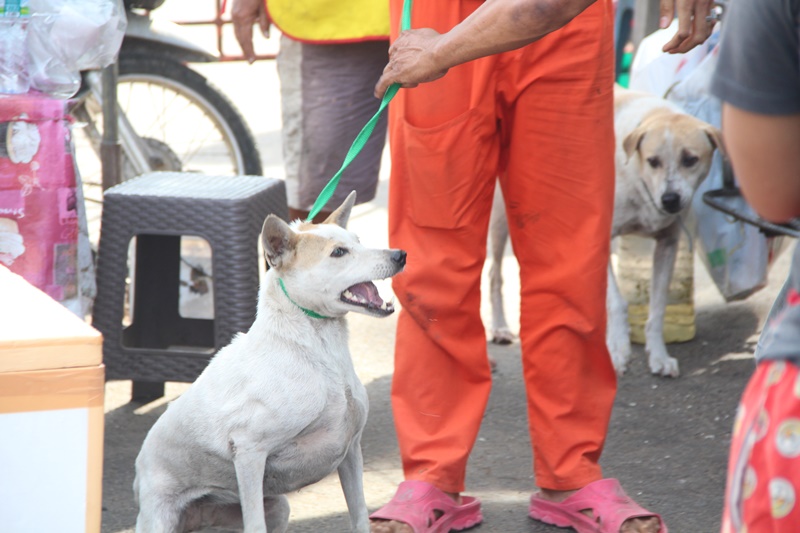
[{"x": 445, "y": 168}]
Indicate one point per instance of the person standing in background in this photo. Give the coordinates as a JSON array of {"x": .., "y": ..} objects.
[{"x": 331, "y": 55}]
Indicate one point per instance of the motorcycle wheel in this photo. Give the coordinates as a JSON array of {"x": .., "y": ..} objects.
[{"x": 186, "y": 123}]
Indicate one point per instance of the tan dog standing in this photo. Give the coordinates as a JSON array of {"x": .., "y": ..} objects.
[{"x": 662, "y": 156}]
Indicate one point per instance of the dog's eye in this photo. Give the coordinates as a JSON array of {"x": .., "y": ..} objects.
[
  {"x": 654, "y": 162},
  {"x": 339, "y": 252},
  {"x": 689, "y": 160}
]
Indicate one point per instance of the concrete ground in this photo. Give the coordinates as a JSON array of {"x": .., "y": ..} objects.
[{"x": 668, "y": 439}]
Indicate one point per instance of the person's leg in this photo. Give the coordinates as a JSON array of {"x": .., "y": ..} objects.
[
  {"x": 559, "y": 190},
  {"x": 337, "y": 87},
  {"x": 444, "y": 156},
  {"x": 302, "y": 214},
  {"x": 559, "y": 186},
  {"x": 288, "y": 65}
]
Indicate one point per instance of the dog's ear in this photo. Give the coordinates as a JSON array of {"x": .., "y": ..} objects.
[
  {"x": 342, "y": 214},
  {"x": 715, "y": 136},
  {"x": 633, "y": 141},
  {"x": 277, "y": 238}
]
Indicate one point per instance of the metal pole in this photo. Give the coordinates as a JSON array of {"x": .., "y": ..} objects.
[{"x": 110, "y": 148}]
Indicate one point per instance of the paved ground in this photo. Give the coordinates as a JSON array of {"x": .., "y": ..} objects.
[{"x": 668, "y": 439}]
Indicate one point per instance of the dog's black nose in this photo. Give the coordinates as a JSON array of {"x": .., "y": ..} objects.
[
  {"x": 671, "y": 202},
  {"x": 399, "y": 257}
]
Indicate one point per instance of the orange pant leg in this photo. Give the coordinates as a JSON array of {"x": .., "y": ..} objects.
[
  {"x": 444, "y": 158},
  {"x": 559, "y": 190}
]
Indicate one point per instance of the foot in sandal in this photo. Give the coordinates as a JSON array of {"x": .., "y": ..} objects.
[
  {"x": 419, "y": 507},
  {"x": 599, "y": 507}
]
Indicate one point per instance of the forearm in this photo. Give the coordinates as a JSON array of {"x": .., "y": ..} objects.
[
  {"x": 502, "y": 25},
  {"x": 764, "y": 151}
]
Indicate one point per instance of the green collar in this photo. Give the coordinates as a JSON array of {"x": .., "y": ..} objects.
[{"x": 308, "y": 312}]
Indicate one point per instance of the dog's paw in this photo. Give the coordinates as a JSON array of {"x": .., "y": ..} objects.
[
  {"x": 620, "y": 349},
  {"x": 661, "y": 363},
  {"x": 502, "y": 336}
]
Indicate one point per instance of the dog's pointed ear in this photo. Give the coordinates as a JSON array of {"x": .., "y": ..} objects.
[
  {"x": 278, "y": 239},
  {"x": 715, "y": 136},
  {"x": 633, "y": 141},
  {"x": 342, "y": 214}
]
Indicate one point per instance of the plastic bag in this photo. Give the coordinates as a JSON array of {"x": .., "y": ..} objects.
[
  {"x": 43, "y": 233},
  {"x": 656, "y": 72},
  {"x": 68, "y": 36},
  {"x": 736, "y": 254}
]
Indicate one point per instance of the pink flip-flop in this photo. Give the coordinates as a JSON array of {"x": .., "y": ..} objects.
[
  {"x": 609, "y": 505},
  {"x": 428, "y": 510}
]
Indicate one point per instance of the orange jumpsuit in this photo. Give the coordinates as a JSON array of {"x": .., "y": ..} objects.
[{"x": 540, "y": 118}]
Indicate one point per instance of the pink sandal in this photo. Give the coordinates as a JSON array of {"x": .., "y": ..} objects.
[
  {"x": 606, "y": 500},
  {"x": 428, "y": 510}
]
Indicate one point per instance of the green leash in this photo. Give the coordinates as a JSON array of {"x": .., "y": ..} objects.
[
  {"x": 363, "y": 136},
  {"x": 358, "y": 144}
]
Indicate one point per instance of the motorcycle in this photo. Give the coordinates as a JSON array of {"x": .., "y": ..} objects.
[{"x": 170, "y": 118}]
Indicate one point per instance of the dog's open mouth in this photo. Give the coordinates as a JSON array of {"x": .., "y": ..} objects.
[{"x": 366, "y": 295}]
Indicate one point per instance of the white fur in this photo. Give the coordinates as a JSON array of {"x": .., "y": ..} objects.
[
  {"x": 277, "y": 409},
  {"x": 648, "y": 129}
]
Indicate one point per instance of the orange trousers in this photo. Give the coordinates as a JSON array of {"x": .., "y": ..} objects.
[{"x": 541, "y": 119}]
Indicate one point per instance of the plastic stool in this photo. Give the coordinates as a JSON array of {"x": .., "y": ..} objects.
[{"x": 158, "y": 209}]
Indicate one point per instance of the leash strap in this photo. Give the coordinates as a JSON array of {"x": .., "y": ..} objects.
[{"x": 365, "y": 133}]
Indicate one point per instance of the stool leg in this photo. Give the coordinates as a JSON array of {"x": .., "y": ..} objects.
[
  {"x": 146, "y": 391},
  {"x": 155, "y": 313}
]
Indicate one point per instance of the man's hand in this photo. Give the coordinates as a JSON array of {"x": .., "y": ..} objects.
[
  {"x": 412, "y": 61},
  {"x": 244, "y": 14},
  {"x": 693, "y": 28}
]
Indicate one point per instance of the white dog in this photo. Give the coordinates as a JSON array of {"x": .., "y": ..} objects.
[
  {"x": 281, "y": 406},
  {"x": 662, "y": 155}
]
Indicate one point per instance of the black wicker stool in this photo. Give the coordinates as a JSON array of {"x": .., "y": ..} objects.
[{"x": 158, "y": 209}]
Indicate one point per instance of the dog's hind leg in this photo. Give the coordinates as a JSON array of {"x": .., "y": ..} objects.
[
  {"x": 157, "y": 515},
  {"x": 351, "y": 473},
  {"x": 276, "y": 513},
  {"x": 204, "y": 514},
  {"x": 663, "y": 264},
  {"x": 618, "y": 333},
  {"x": 498, "y": 237}
]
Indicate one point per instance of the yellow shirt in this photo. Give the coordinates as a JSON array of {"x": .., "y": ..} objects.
[{"x": 331, "y": 21}]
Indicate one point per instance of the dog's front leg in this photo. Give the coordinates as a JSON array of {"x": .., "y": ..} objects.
[
  {"x": 663, "y": 264},
  {"x": 249, "y": 461},
  {"x": 618, "y": 333},
  {"x": 351, "y": 473}
]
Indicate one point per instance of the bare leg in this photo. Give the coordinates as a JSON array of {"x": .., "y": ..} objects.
[{"x": 295, "y": 214}]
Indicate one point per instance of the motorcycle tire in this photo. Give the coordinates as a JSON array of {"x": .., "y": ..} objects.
[
  {"x": 185, "y": 123},
  {"x": 166, "y": 71}
]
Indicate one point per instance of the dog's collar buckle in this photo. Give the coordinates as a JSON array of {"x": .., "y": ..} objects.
[{"x": 308, "y": 312}]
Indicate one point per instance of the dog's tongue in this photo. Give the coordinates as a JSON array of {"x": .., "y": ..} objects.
[{"x": 368, "y": 291}]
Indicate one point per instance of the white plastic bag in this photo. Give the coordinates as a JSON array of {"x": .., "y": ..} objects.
[
  {"x": 68, "y": 36},
  {"x": 656, "y": 72}
]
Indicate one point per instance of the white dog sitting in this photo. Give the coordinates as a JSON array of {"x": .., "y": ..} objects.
[
  {"x": 281, "y": 406},
  {"x": 662, "y": 156}
]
